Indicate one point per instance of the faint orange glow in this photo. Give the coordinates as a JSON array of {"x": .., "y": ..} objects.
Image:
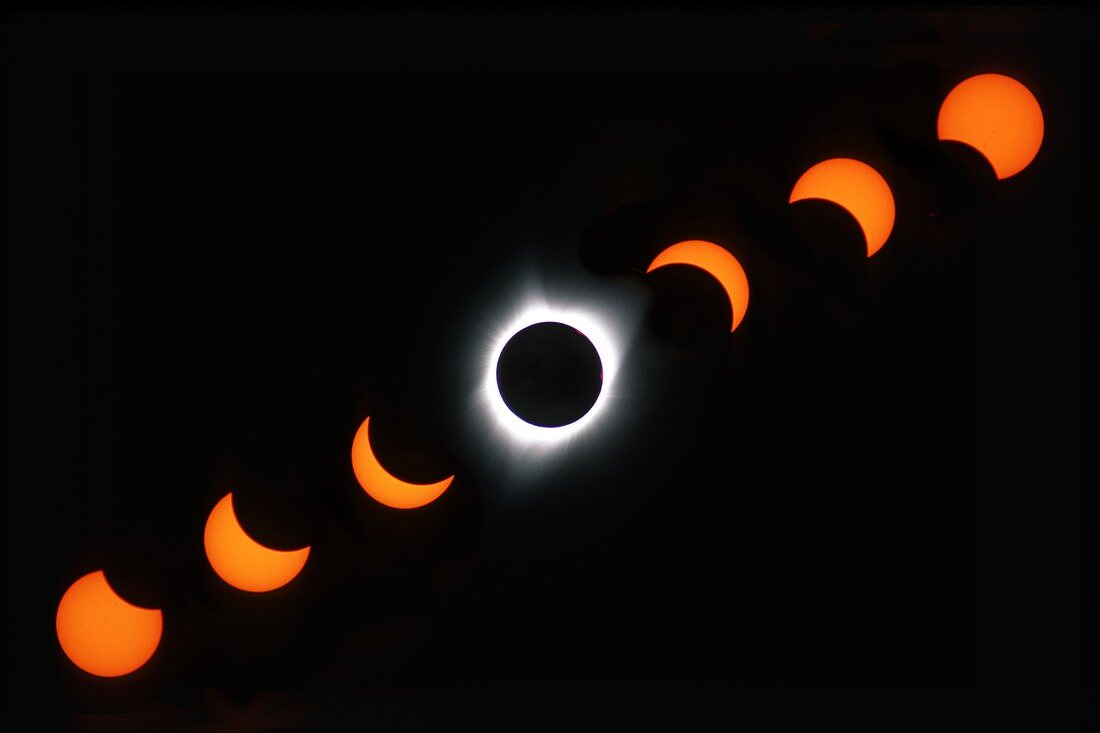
[
  {"x": 718, "y": 263},
  {"x": 997, "y": 116},
  {"x": 856, "y": 187},
  {"x": 384, "y": 487},
  {"x": 242, "y": 561},
  {"x": 103, "y": 634}
]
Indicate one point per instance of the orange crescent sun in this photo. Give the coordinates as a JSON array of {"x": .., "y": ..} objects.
[
  {"x": 242, "y": 561},
  {"x": 102, "y": 633},
  {"x": 718, "y": 263},
  {"x": 383, "y": 486},
  {"x": 856, "y": 187},
  {"x": 997, "y": 116}
]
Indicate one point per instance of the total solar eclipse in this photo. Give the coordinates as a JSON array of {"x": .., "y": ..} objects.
[
  {"x": 549, "y": 374},
  {"x": 543, "y": 369}
]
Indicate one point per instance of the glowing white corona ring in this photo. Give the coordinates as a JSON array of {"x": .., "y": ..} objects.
[{"x": 594, "y": 329}]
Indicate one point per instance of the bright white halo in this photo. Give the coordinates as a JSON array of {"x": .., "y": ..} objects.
[{"x": 595, "y": 329}]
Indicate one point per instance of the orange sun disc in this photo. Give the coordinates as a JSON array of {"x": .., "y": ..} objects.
[
  {"x": 856, "y": 187},
  {"x": 103, "y": 634},
  {"x": 242, "y": 561},
  {"x": 718, "y": 263},
  {"x": 382, "y": 485},
  {"x": 997, "y": 116}
]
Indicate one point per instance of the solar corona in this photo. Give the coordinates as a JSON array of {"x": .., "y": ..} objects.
[
  {"x": 546, "y": 375},
  {"x": 549, "y": 374}
]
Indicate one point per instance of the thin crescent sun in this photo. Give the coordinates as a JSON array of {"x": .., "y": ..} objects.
[
  {"x": 856, "y": 187},
  {"x": 242, "y": 561},
  {"x": 102, "y": 633},
  {"x": 718, "y": 263},
  {"x": 383, "y": 486}
]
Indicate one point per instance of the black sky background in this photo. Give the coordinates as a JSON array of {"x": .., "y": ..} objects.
[{"x": 233, "y": 235}]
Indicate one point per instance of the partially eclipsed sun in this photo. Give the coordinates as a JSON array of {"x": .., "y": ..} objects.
[
  {"x": 718, "y": 263},
  {"x": 103, "y": 634},
  {"x": 997, "y": 116},
  {"x": 242, "y": 561},
  {"x": 383, "y": 486},
  {"x": 857, "y": 188}
]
